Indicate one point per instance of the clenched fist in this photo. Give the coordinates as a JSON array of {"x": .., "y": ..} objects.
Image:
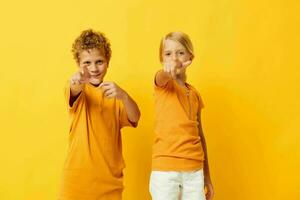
[
  {"x": 78, "y": 80},
  {"x": 111, "y": 90}
]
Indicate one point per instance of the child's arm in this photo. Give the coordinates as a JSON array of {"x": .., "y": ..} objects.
[
  {"x": 111, "y": 90},
  {"x": 207, "y": 180},
  {"x": 162, "y": 78},
  {"x": 170, "y": 70},
  {"x": 76, "y": 84}
]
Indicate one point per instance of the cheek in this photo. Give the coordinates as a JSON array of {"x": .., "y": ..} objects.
[
  {"x": 185, "y": 58},
  {"x": 103, "y": 68},
  {"x": 83, "y": 67}
]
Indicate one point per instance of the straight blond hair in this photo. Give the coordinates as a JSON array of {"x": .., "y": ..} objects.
[{"x": 180, "y": 37}]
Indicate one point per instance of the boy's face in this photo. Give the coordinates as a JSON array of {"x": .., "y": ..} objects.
[
  {"x": 174, "y": 51},
  {"x": 95, "y": 63}
]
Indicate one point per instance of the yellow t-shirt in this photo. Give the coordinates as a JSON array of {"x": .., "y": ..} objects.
[
  {"x": 94, "y": 164},
  {"x": 177, "y": 145}
]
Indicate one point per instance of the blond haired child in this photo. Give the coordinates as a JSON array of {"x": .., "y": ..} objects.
[
  {"x": 179, "y": 161},
  {"x": 98, "y": 110}
]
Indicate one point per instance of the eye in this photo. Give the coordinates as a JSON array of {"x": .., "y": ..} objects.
[
  {"x": 100, "y": 62},
  {"x": 167, "y": 54},
  {"x": 87, "y": 63},
  {"x": 181, "y": 53}
]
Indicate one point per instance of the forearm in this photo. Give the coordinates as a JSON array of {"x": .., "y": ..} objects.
[
  {"x": 73, "y": 99},
  {"x": 207, "y": 179},
  {"x": 162, "y": 78},
  {"x": 74, "y": 94},
  {"x": 132, "y": 110},
  {"x": 204, "y": 147},
  {"x": 206, "y": 165},
  {"x": 75, "y": 90}
]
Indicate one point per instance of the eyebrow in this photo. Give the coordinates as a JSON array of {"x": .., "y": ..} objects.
[
  {"x": 166, "y": 51},
  {"x": 88, "y": 61}
]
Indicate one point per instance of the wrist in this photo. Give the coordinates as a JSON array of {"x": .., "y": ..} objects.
[
  {"x": 74, "y": 93},
  {"x": 75, "y": 89}
]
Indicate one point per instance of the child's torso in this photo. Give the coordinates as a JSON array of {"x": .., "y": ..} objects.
[{"x": 177, "y": 144}]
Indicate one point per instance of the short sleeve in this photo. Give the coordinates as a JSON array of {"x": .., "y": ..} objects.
[
  {"x": 68, "y": 98},
  {"x": 200, "y": 101},
  {"x": 123, "y": 117}
]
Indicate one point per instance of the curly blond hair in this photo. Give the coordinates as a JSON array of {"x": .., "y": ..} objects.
[{"x": 90, "y": 39}]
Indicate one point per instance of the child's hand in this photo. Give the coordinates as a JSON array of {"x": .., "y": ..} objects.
[
  {"x": 174, "y": 68},
  {"x": 77, "y": 80},
  {"x": 209, "y": 193},
  {"x": 183, "y": 66},
  {"x": 170, "y": 68},
  {"x": 111, "y": 90}
]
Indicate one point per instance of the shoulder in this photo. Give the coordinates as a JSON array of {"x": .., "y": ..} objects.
[
  {"x": 192, "y": 88},
  {"x": 198, "y": 95}
]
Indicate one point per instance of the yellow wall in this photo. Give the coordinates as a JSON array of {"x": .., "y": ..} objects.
[{"x": 246, "y": 68}]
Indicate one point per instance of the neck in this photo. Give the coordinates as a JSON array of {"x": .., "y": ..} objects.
[
  {"x": 181, "y": 78},
  {"x": 96, "y": 83}
]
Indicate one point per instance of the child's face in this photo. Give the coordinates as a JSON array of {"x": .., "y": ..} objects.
[
  {"x": 174, "y": 51},
  {"x": 95, "y": 62}
]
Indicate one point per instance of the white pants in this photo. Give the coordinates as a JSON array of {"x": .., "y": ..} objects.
[{"x": 173, "y": 185}]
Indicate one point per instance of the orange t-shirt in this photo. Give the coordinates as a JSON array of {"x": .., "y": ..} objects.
[
  {"x": 94, "y": 164},
  {"x": 177, "y": 145}
]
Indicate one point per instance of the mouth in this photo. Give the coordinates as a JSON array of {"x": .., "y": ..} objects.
[{"x": 96, "y": 75}]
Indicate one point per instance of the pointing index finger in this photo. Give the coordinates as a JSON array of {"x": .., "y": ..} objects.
[{"x": 187, "y": 63}]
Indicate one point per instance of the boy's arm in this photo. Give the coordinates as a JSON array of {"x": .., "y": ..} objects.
[
  {"x": 73, "y": 98},
  {"x": 132, "y": 110},
  {"x": 77, "y": 82},
  {"x": 207, "y": 179},
  {"x": 111, "y": 90}
]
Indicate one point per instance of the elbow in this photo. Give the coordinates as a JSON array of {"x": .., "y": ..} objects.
[
  {"x": 137, "y": 116},
  {"x": 135, "y": 119}
]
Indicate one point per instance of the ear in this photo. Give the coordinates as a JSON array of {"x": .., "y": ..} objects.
[{"x": 191, "y": 56}]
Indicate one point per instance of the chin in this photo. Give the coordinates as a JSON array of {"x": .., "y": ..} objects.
[
  {"x": 180, "y": 72},
  {"x": 95, "y": 81}
]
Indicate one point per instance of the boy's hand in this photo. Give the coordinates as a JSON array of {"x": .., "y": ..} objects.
[
  {"x": 111, "y": 90},
  {"x": 77, "y": 81},
  {"x": 174, "y": 68}
]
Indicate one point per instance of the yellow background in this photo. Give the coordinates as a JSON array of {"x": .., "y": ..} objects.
[{"x": 246, "y": 68}]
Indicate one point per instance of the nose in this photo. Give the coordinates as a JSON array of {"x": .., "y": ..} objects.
[
  {"x": 93, "y": 67},
  {"x": 175, "y": 57}
]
